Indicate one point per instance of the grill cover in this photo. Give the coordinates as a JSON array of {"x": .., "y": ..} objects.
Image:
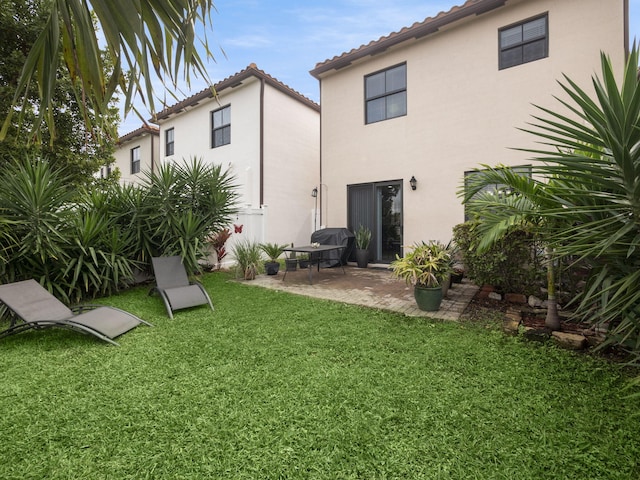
[{"x": 335, "y": 236}]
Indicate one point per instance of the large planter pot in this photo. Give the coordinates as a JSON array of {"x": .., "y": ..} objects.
[
  {"x": 428, "y": 299},
  {"x": 362, "y": 257},
  {"x": 272, "y": 268},
  {"x": 303, "y": 263},
  {"x": 291, "y": 264}
]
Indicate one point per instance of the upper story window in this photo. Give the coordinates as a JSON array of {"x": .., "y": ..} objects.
[
  {"x": 135, "y": 160},
  {"x": 524, "y": 42},
  {"x": 168, "y": 142},
  {"x": 221, "y": 127},
  {"x": 386, "y": 94}
]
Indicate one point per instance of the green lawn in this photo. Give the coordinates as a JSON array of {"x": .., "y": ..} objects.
[{"x": 278, "y": 386}]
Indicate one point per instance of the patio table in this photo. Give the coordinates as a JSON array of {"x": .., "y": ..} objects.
[{"x": 315, "y": 256}]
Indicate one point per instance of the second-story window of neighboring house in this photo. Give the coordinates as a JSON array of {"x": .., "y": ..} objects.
[
  {"x": 524, "y": 42},
  {"x": 386, "y": 94},
  {"x": 135, "y": 160},
  {"x": 221, "y": 127},
  {"x": 168, "y": 142}
]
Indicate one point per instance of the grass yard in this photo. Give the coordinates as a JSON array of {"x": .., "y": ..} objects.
[{"x": 272, "y": 386}]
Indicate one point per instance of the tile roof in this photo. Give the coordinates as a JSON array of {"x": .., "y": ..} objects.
[
  {"x": 230, "y": 82},
  {"x": 417, "y": 30},
  {"x": 139, "y": 131}
]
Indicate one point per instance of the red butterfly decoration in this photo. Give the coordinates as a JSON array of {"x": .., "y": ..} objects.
[{"x": 237, "y": 228}]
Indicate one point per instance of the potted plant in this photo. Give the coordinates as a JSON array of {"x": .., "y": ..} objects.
[
  {"x": 291, "y": 263},
  {"x": 425, "y": 266},
  {"x": 248, "y": 255},
  {"x": 303, "y": 260},
  {"x": 363, "y": 238},
  {"x": 273, "y": 251}
]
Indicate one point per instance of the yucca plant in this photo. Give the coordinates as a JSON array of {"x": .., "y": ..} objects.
[
  {"x": 590, "y": 203},
  {"x": 35, "y": 202},
  {"x": 248, "y": 256},
  {"x": 202, "y": 192}
]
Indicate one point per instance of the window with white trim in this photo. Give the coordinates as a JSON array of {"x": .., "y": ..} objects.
[
  {"x": 221, "y": 127},
  {"x": 169, "y": 142},
  {"x": 135, "y": 160}
]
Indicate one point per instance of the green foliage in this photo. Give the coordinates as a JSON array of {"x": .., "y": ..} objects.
[
  {"x": 146, "y": 40},
  {"x": 35, "y": 205},
  {"x": 77, "y": 149},
  {"x": 272, "y": 250},
  {"x": 593, "y": 164},
  {"x": 512, "y": 263},
  {"x": 184, "y": 203},
  {"x": 273, "y": 385},
  {"x": 363, "y": 237},
  {"x": 90, "y": 243},
  {"x": 424, "y": 264},
  {"x": 248, "y": 255}
]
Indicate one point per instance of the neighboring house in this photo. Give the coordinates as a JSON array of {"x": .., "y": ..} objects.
[
  {"x": 439, "y": 98},
  {"x": 136, "y": 152},
  {"x": 267, "y": 134}
]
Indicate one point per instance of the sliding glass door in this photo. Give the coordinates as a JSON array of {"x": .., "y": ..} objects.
[{"x": 378, "y": 206}]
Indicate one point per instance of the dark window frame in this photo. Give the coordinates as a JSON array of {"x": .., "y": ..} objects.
[
  {"x": 223, "y": 128},
  {"x": 520, "y": 46},
  {"x": 135, "y": 160},
  {"x": 169, "y": 144},
  {"x": 387, "y": 94}
]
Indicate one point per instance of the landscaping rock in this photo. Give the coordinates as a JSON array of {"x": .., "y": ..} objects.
[
  {"x": 534, "y": 302},
  {"x": 536, "y": 334},
  {"x": 510, "y": 326},
  {"x": 494, "y": 296},
  {"x": 572, "y": 341},
  {"x": 515, "y": 298}
]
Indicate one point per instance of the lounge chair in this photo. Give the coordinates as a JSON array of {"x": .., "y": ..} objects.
[
  {"x": 37, "y": 308},
  {"x": 174, "y": 287}
]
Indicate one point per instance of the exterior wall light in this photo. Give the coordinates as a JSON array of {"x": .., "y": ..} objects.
[{"x": 413, "y": 182}]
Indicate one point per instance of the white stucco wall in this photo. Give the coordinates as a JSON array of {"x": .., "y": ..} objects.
[
  {"x": 462, "y": 110},
  {"x": 149, "y": 147},
  {"x": 192, "y": 137},
  {"x": 291, "y": 167},
  {"x": 290, "y": 157}
]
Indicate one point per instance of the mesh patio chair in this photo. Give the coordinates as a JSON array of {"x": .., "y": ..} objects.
[
  {"x": 174, "y": 287},
  {"x": 35, "y": 308}
]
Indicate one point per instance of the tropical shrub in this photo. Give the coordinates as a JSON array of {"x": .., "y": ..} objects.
[
  {"x": 80, "y": 244},
  {"x": 183, "y": 205},
  {"x": 248, "y": 255},
  {"x": 512, "y": 264}
]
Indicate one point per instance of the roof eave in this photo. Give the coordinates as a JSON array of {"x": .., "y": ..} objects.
[{"x": 419, "y": 31}]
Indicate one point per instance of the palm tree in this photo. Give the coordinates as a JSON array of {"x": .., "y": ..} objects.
[
  {"x": 145, "y": 39},
  {"x": 519, "y": 203},
  {"x": 590, "y": 157}
]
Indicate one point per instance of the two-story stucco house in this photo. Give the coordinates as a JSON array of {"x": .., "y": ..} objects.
[
  {"x": 405, "y": 116},
  {"x": 263, "y": 131},
  {"x": 136, "y": 153},
  {"x": 268, "y": 135}
]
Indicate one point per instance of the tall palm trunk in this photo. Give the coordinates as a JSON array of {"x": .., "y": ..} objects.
[{"x": 552, "y": 321}]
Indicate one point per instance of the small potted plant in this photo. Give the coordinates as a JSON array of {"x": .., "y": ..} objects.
[
  {"x": 303, "y": 260},
  {"x": 425, "y": 266},
  {"x": 363, "y": 238},
  {"x": 272, "y": 251},
  {"x": 248, "y": 256}
]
